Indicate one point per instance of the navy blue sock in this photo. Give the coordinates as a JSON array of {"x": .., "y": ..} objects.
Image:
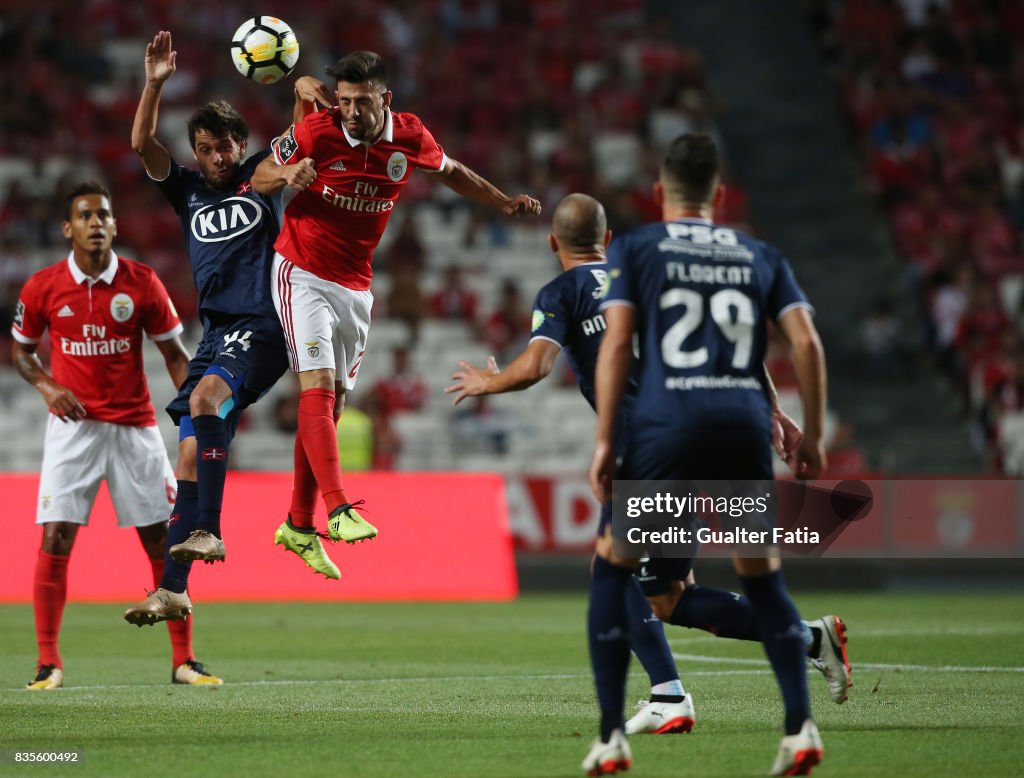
[
  {"x": 722, "y": 613},
  {"x": 211, "y": 468},
  {"x": 647, "y": 637},
  {"x": 184, "y": 517},
  {"x": 608, "y": 629},
  {"x": 785, "y": 642}
]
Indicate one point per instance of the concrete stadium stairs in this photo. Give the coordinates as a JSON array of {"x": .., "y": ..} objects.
[{"x": 788, "y": 148}]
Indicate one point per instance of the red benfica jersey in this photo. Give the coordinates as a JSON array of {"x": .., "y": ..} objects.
[
  {"x": 96, "y": 333},
  {"x": 332, "y": 228}
]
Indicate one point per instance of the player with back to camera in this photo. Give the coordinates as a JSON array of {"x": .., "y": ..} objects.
[
  {"x": 230, "y": 231},
  {"x": 710, "y": 326},
  {"x": 348, "y": 164},
  {"x": 102, "y": 426},
  {"x": 566, "y": 315}
]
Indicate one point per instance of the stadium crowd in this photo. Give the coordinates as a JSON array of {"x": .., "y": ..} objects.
[
  {"x": 933, "y": 91},
  {"x": 591, "y": 104}
]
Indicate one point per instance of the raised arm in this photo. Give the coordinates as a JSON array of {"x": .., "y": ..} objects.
[
  {"x": 461, "y": 180},
  {"x": 59, "y": 399},
  {"x": 160, "y": 65},
  {"x": 533, "y": 364},
  {"x": 271, "y": 177},
  {"x": 809, "y": 361},
  {"x": 614, "y": 360},
  {"x": 310, "y": 94}
]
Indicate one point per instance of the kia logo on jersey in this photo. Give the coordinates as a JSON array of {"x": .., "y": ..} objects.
[{"x": 227, "y": 219}]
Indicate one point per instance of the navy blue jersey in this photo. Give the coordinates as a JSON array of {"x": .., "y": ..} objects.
[
  {"x": 230, "y": 234},
  {"x": 567, "y": 312},
  {"x": 703, "y": 295}
]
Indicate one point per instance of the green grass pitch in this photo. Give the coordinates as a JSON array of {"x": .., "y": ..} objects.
[{"x": 487, "y": 691}]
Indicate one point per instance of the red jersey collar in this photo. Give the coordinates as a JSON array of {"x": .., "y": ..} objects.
[
  {"x": 388, "y": 134},
  {"x": 107, "y": 276}
]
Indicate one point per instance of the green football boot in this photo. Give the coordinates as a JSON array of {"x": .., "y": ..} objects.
[
  {"x": 346, "y": 524},
  {"x": 306, "y": 543}
]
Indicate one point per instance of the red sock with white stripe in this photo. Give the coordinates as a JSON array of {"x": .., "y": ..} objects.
[
  {"x": 180, "y": 631},
  {"x": 319, "y": 434},
  {"x": 49, "y": 594}
]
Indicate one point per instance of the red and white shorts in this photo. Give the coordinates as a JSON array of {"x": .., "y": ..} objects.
[
  {"x": 78, "y": 455},
  {"x": 325, "y": 324}
]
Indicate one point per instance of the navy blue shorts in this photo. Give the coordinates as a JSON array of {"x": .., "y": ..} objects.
[
  {"x": 248, "y": 352},
  {"x": 718, "y": 453},
  {"x": 656, "y": 575},
  {"x": 725, "y": 454}
]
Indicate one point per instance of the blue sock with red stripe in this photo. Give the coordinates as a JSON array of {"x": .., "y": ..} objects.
[
  {"x": 608, "y": 630},
  {"x": 184, "y": 517},
  {"x": 211, "y": 468},
  {"x": 785, "y": 639},
  {"x": 721, "y": 613},
  {"x": 647, "y": 637}
]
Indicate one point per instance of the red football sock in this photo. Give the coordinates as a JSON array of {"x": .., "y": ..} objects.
[
  {"x": 304, "y": 489},
  {"x": 49, "y": 593},
  {"x": 319, "y": 434},
  {"x": 181, "y": 631}
]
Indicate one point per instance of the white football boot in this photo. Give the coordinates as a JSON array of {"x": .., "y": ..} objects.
[
  {"x": 663, "y": 718},
  {"x": 831, "y": 660},
  {"x": 608, "y": 758},
  {"x": 799, "y": 753}
]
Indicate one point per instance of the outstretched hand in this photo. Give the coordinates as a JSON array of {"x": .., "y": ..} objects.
[
  {"x": 161, "y": 59},
  {"x": 471, "y": 381},
  {"x": 522, "y": 205},
  {"x": 313, "y": 90}
]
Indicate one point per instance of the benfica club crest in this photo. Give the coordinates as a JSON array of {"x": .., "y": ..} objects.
[
  {"x": 397, "y": 165},
  {"x": 122, "y": 307}
]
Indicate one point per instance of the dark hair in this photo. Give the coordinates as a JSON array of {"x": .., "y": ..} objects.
[
  {"x": 219, "y": 119},
  {"x": 359, "y": 67},
  {"x": 82, "y": 189},
  {"x": 692, "y": 165}
]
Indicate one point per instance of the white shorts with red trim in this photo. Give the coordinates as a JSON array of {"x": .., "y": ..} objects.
[
  {"x": 325, "y": 324},
  {"x": 78, "y": 455}
]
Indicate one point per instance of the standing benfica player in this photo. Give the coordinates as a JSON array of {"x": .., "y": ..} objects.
[
  {"x": 230, "y": 232},
  {"x": 96, "y": 306},
  {"x": 349, "y": 164},
  {"x": 699, "y": 296}
]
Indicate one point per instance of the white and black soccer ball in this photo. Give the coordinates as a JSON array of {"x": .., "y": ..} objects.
[{"x": 265, "y": 49}]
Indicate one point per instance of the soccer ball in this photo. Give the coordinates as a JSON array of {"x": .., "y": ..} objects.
[{"x": 264, "y": 49}]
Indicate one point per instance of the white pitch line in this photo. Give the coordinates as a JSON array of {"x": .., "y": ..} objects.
[
  {"x": 354, "y": 681},
  {"x": 862, "y": 665},
  {"x": 886, "y": 633},
  {"x": 940, "y": 631},
  {"x": 759, "y": 663}
]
